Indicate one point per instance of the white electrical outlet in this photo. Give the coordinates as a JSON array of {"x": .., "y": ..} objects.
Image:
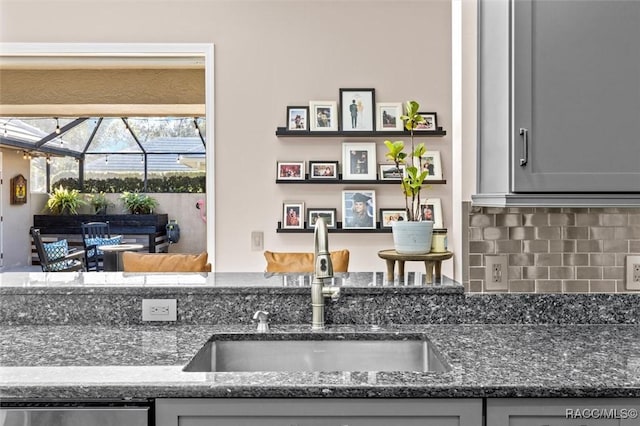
[
  {"x": 159, "y": 309},
  {"x": 496, "y": 276},
  {"x": 633, "y": 272}
]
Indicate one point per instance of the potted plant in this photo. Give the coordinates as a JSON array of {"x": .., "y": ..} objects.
[
  {"x": 64, "y": 201},
  {"x": 412, "y": 236},
  {"x": 137, "y": 203},
  {"x": 99, "y": 202}
]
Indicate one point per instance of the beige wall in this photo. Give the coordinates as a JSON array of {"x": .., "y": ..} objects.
[{"x": 270, "y": 54}]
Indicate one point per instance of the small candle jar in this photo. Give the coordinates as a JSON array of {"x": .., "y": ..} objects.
[{"x": 439, "y": 240}]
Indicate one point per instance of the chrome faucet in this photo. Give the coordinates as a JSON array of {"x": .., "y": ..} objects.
[
  {"x": 262, "y": 317},
  {"x": 323, "y": 270}
]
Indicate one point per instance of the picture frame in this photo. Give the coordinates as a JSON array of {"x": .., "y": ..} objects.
[
  {"x": 388, "y": 117},
  {"x": 359, "y": 209},
  {"x": 435, "y": 206},
  {"x": 357, "y": 110},
  {"x": 18, "y": 185},
  {"x": 293, "y": 215},
  {"x": 391, "y": 172},
  {"x": 430, "y": 124},
  {"x": 328, "y": 214},
  {"x": 359, "y": 161},
  {"x": 431, "y": 162},
  {"x": 324, "y": 170},
  {"x": 298, "y": 118},
  {"x": 323, "y": 116},
  {"x": 290, "y": 170},
  {"x": 388, "y": 216}
]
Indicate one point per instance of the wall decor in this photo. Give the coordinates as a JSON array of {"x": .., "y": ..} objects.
[
  {"x": 430, "y": 122},
  {"x": 357, "y": 110},
  {"x": 388, "y": 116},
  {"x": 293, "y": 215},
  {"x": 388, "y": 216},
  {"x": 358, "y": 160},
  {"x": 324, "y": 170},
  {"x": 391, "y": 172},
  {"x": 324, "y": 116},
  {"x": 298, "y": 118},
  {"x": 431, "y": 164},
  {"x": 359, "y": 209},
  {"x": 290, "y": 170},
  {"x": 18, "y": 189},
  {"x": 328, "y": 214},
  {"x": 431, "y": 209}
]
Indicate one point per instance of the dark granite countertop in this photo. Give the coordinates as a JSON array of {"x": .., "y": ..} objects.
[{"x": 91, "y": 361}]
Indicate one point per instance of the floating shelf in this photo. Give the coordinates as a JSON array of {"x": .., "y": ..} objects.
[
  {"x": 341, "y": 181},
  {"x": 284, "y": 132},
  {"x": 338, "y": 230}
]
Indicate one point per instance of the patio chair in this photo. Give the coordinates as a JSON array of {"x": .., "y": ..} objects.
[
  {"x": 95, "y": 234},
  {"x": 56, "y": 256}
]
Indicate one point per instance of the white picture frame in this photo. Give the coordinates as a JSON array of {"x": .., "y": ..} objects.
[
  {"x": 435, "y": 205},
  {"x": 353, "y": 203},
  {"x": 359, "y": 161},
  {"x": 389, "y": 216},
  {"x": 431, "y": 162},
  {"x": 388, "y": 117},
  {"x": 290, "y": 170},
  {"x": 293, "y": 215},
  {"x": 323, "y": 116},
  {"x": 391, "y": 172}
]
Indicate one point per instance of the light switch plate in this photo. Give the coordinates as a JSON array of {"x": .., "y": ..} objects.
[
  {"x": 633, "y": 272},
  {"x": 159, "y": 309},
  {"x": 257, "y": 240},
  {"x": 497, "y": 274}
]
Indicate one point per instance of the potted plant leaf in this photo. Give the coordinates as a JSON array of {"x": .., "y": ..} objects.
[
  {"x": 64, "y": 201},
  {"x": 99, "y": 202},
  {"x": 412, "y": 236},
  {"x": 138, "y": 203}
]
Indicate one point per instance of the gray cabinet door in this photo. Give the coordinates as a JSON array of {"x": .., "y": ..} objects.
[
  {"x": 576, "y": 96},
  {"x": 318, "y": 412}
]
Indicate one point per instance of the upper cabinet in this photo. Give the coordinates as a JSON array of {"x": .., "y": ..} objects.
[{"x": 559, "y": 103}]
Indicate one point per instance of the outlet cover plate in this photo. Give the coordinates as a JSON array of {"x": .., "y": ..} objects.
[
  {"x": 633, "y": 272},
  {"x": 497, "y": 273},
  {"x": 159, "y": 309}
]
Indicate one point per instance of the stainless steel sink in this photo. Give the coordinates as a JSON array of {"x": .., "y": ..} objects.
[{"x": 337, "y": 354}]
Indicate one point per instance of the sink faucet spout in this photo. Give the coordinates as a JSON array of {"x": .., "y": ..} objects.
[{"x": 323, "y": 270}]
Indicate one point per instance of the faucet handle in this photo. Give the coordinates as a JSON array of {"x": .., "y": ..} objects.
[{"x": 263, "y": 318}]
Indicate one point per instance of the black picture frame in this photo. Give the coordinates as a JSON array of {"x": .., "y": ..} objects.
[
  {"x": 295, "y": 125},
  {"x": 324, "y": 170},
  {"x": 357, "y": 110},
  {"x": 431, "y": 124}
]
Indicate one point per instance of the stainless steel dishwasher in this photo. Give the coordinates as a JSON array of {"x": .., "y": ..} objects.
[{"x": 134, "y": 412}]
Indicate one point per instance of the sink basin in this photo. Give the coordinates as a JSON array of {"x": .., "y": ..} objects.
[{"x": 337, "y": 354}]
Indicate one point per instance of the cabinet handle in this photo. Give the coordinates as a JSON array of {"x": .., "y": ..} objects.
[{"x": 525, "y": 146}]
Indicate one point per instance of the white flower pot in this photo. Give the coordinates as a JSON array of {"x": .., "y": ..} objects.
[{"x": 412, "y": 237}]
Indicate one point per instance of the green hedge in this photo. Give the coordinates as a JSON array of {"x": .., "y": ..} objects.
[{"x": 172, "y": 184}]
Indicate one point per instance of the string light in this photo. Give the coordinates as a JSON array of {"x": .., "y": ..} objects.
[
  {"x": 58, "y": 127},
  {"x": 24, "y": 155},
  {"x": 106, "y": 159},
  {"x": 142, "y": 159},
  {"x": 48, "y": 159}
]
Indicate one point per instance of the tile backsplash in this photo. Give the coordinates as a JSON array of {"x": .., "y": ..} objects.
[{"x": 553, "y": 250}]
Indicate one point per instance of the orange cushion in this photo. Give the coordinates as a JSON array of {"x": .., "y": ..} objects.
[
  {"x": 303, "y": 262},
  {"x": 165, "y": 262}
]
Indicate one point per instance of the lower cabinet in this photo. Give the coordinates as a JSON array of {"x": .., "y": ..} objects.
[
  {"x": 563, "y": 412},
  {"x": 318, "y": 412}
]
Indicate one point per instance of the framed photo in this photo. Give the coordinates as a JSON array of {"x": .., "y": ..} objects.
[
  {"x": 430, "y": 122},
  {"x": 388, "y": 117},
  {"x": 431, "y": 163},
  {"x": 290, "y": 170},
  {"x": 357, "y": 110},
  {"x": 359, "y": 161},
  {"x": 359, "y": 209},
  {"x": 323, "y": 115},
  {"x": 298, "y": 118},
  {"x": 293, "y": 215},
  {"x": 391, "y": 172},
  {"x": 324, "y": 170},
  {"x": 431, "y": 209},
  {"x": 388, "y": 216},
  {"x": 329, "y": 216}
]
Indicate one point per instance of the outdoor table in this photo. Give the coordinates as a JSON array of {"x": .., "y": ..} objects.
[{"x": 113, "y": 255}]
